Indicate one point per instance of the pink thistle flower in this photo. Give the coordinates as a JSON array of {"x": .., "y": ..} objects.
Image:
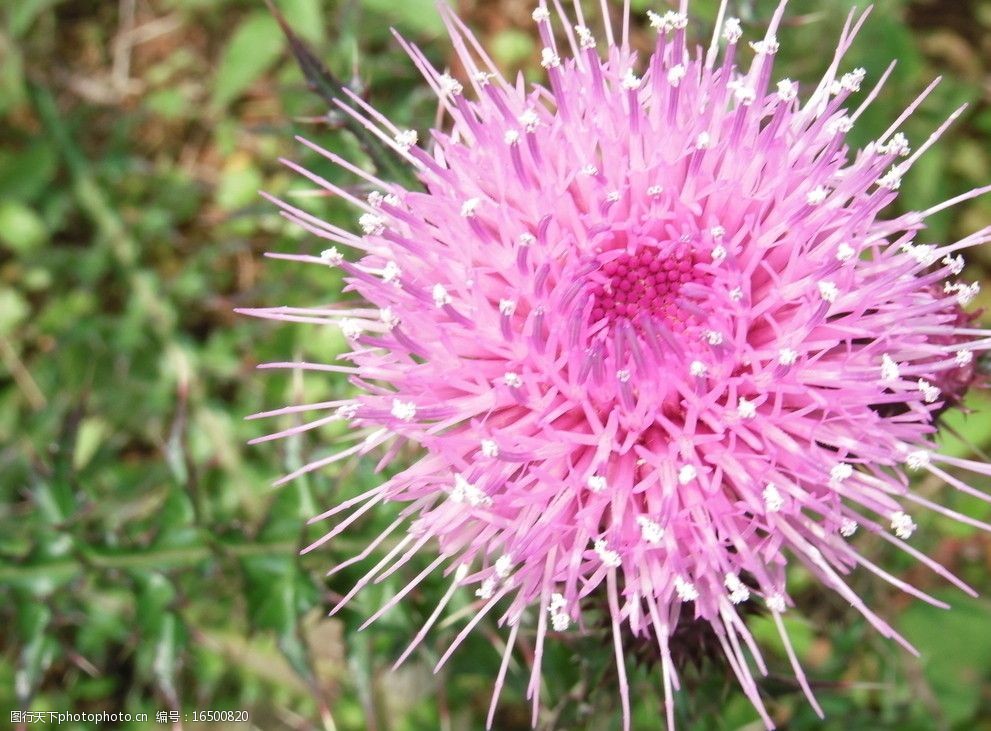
[{"x": 652, "y": 334}]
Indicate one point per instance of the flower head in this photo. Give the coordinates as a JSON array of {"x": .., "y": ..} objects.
[{"x": 653, "y": 335}]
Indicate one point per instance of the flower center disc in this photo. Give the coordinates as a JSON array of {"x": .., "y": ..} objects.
[{"x": 646, "y": 282}]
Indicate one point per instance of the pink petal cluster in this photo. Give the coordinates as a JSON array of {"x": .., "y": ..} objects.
[{"x": 652, "y": 333}]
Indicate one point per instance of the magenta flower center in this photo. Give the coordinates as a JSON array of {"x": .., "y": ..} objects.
[{"x": 647, "y": 281}]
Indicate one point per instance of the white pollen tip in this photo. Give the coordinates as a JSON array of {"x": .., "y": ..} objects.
[
  {"x": 840, "y": 472},
  {"x": 773, "y": 500},
  {"x": 828, "y": 291},
  {"x": 406, "y": 139},
  {"x": 331, "y": 255},
  {"x": 776, "y": 603},
  {"x": 596, "y": 483},
  {"x": 902, "y": 524},
  {"x": 440, "y": 295},
  {"x": 687, "y": 473},
  {"x": 513, "y": 380},
  {"x": 845, "y": 252},
  {"x": 787, "y": 357},
  {"x": 403, "y": 410}
]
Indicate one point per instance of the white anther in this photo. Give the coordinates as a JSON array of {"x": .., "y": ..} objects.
[
  {"x": 613, "y": 196},
  {"x": 541, "y": 15},
  {"x": 703, "y": 141},
  {"x": 787, "y": 356},
  {"x": 676, "y": 74},
  {"x": 331, "y": 255},
  {"x": 651, "y": 531},
  {"x": 902, "y": 524},
  {"x": 736, "y": 294},
  {"x": 391, "y": 273},
  {"x": 389, "y": 317},
  {"x": 892, "y": 180},
  {"x": 623, "y": 376},
  {"x": 918, "y": 459},
  {"x": 955, "y": 263},
  {"x": 589, "y": 170},
  {"x": 511, "y": 137},
  {"x": 654, "y": 191},
  {"x": 697, "y": 368},
  {"x": 848, "y": 527},
  {"x": 817, "y": 195},
  {"x": 685, "y": 589},
  {"x": 512, "y": 380},
  {"x": 744, "y": 95},
  {"x": 839, "y": 125},
  {"x": 529, "y": 119},
  {"x": 585, "y": 38},
  {"x": 713, "y": 337},
  {"x": 897, "y": 145},
  {"x": 371, "y": 224},
  {"x": 738, "y": 593},
  {"x": 609, "y": 557},
  {"x": 717, "y": 232},
  {"x": 773, "y": 500},
  {"x": 469, "y": 206},
  {"x": 853, "y": 80},
  {"x": 929, "y": 392},
  {"x": 549, "y": 58},
  {"x": 450, "y": 85},
  {"x": 890, "y": 371},
  {"x": 828, "y": 291},
  {"x": 787, "y": 90},
  {"x": 527, "y": 240},
  {"x": 963, "y": 358},
  {"x": 845, "y": 252},
  {"x": 489, "y": 448},
  {"x": 482, "y": 78},
  {"x": 687, "y": 473},
  {"x": 667, "y": 22},
  {"x": 776, "y": 603},
  {"x": 596, "y": 483},
  {"x": 466, "y": 492},
  {"x": 965, "y": 293},
  {"x": 403, "y": 410},
  {"x": 768, "y": 46},
  {"x": 487, "y": 588},
  {"x": 840, "y": 472},
  {"x": 746, "y": 409},
  {"x": 732, "y": 31},
  {"x": 631, "y": 81},
  {"x": 350, "y": 327},
  {"x": 440, "y": 295},
  {"x": 406, "y": 139},
  {"x": 504, "y": 565},
  {"x": 507, "y": 307}
]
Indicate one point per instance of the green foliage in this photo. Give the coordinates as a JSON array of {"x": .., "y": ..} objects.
[{"x": 146, "y": 565}]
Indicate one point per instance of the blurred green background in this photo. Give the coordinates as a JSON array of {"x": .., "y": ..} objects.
[{"x": 145, "y": 562}]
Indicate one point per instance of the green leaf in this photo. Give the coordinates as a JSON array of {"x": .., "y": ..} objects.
[
  {"x": 13, "y": 309},
  {"x": 956, "y": 651},
  {"x": 417, "y": 16},
  {"x": 251, "y": 51},
  {"x": 37, "y": 649}
]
